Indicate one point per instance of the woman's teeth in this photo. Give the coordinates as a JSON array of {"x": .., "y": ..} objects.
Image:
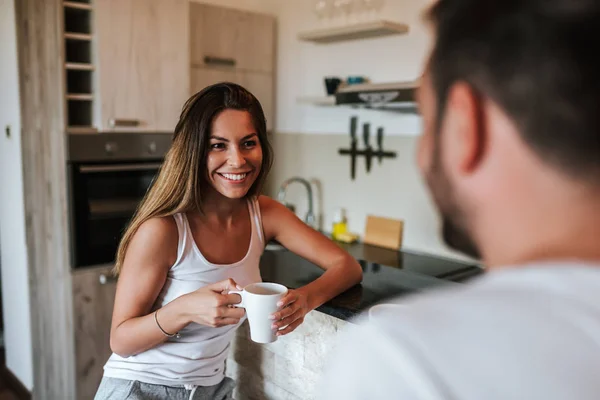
[{"x": 234, "y": 177}]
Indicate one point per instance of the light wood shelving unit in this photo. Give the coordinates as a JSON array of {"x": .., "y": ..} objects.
[
  {"x": 354, "y": 32},
  {"x": 79, "y": 66}
]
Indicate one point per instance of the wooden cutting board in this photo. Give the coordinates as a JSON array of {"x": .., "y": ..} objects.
[{"x": 384, "y": 232}]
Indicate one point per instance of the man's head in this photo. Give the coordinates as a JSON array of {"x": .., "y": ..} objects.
[{"x": 511, "y": 108}]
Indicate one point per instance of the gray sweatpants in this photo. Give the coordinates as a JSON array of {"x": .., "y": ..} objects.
[{"x": 121, "y": 389}]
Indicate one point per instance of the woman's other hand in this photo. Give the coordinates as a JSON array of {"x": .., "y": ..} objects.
[
  {"x": 212, "y": 305},
  {"x": 292, "y": 309}
]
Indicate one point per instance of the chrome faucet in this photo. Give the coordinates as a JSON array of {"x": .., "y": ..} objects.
[{"x": 310, "y": 216}]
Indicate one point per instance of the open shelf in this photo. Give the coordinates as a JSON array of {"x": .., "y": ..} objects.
[
  {"x": 79, "y": 113},
  {"x": 79, "y": 66},
  {"x": 80, "y": 96},
  {"x": 77, "y": 19},
  {"x": 78, "y": 51},
  {"x": 78, "y": 36},
  {"x": 79, "y": 81},
  {"x": 354, "y": 32},
  {"x": 78, "y": 5}
]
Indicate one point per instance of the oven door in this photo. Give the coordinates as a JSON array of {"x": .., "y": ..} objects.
[{"x": 104, "y": 198}]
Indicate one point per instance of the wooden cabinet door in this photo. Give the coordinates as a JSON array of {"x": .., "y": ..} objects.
[
  {"x": 258, "y": 83},
  {"x": 143, "y": 63},
  {"x": 224, "y": 37},
  {"x": 256, "y": 47},
  {"x": 93, "y": 300},
  {"x": 261, "y": 86}
]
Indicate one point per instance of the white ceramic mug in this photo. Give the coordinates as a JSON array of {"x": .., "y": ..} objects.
[{"x": 260, "y": 301}]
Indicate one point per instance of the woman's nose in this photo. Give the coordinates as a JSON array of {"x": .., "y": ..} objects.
[{"x": 236, "y": 158}]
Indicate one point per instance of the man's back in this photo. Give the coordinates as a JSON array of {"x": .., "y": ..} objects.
[{"x": 531, "y": 332}]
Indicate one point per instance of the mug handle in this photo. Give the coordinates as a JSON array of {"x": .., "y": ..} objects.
[{"x": 241, "y": 293}]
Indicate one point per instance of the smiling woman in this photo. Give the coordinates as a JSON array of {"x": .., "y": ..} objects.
[
  {"x": 235, "y": 155},
  {"x": 198, "y": 234}
]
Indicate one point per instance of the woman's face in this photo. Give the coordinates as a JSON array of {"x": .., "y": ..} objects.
[{"x": 235, "y": 155}]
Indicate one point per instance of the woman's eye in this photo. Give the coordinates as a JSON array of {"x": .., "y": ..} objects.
[
  {"x": 250, "y": 143},
  {"x": 217, "y": 146}
]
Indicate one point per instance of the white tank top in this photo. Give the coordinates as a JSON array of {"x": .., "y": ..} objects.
[{"x": 198, "y": 357}]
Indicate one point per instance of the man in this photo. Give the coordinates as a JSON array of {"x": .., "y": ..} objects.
[{"x": 510, "y": 101}]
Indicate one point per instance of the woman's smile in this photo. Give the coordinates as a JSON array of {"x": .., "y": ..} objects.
[{"x": 235, "y": 178}]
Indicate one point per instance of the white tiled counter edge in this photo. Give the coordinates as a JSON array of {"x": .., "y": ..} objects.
[{"x": 288, "y": 369}]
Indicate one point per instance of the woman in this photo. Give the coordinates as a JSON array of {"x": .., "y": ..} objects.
[{"x": 200, "y": 232}]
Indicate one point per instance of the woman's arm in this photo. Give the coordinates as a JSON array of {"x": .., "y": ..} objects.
[
  {"x": 150, "y": 255},
  {"x": 341, "y": 269}
]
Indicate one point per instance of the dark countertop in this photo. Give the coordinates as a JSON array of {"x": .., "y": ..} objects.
[{"x": 386, "y": 274}]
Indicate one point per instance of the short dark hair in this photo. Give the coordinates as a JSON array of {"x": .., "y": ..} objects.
[{"x": 536, "y": 59}]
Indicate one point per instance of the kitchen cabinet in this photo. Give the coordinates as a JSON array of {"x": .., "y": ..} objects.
[
  {"x": 143, "y": 63},
  {"x": 229, "y": 37},
  {"x": 235, "y": 46},
  {"x": 260, "y": 85},
  {"x": 93, "y": 299}
]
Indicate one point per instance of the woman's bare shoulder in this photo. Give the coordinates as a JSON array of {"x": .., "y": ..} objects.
[
  {"x": 155, "y": 241},
  {"x": 269, "y": 205}
]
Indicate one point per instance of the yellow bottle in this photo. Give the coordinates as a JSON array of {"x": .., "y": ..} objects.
[{"x": 340, "y": 225}]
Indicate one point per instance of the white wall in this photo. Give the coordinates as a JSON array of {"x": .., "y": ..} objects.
[
  {"x": 15, "y": 283},
  {"x": 308, "y": 137},
  {"x": 303, "y": 65}
]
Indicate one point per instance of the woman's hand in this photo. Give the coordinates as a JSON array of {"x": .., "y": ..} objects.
[
  {"x": 292, "y": 309},
  {"x": 212, "y": 305}
]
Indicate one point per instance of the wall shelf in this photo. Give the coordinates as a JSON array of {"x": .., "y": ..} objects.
[{"x": 354, "y": 32}]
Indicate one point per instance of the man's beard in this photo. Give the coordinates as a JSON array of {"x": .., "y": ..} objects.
[
  {"x": 457, "y": 237},
  {"x": 454, "y": 231}
]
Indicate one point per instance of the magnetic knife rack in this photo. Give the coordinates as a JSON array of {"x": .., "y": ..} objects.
[{"x": 368, "y": 152}]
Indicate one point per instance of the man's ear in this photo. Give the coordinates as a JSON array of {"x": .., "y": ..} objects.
[{"x": 463, "y": 129}]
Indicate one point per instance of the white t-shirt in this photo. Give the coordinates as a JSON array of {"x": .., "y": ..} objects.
[{"x": 530, "y": 332}]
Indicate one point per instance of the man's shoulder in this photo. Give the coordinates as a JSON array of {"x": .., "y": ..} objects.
[
  {"x": 497, "y": 325},
  {"x": 513, "y": 296}
]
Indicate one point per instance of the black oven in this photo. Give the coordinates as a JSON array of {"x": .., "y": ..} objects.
[{"x": 108, "y": 174}]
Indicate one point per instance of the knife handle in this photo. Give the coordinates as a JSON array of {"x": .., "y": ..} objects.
[
  {"x": 353, "y": 124},
  {"x": 366, "y": 134}
]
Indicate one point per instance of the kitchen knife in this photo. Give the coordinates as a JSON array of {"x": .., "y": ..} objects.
[
  {"x": 380, "y": 144},
  {"x": 353, "y": 123},
  {"x": 369, "y": 149}
]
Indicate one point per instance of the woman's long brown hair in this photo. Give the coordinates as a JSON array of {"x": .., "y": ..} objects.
[{"x": 182, "y": 176}]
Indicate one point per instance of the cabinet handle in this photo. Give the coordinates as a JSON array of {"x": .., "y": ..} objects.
[
  {"x": 104, "y": 279},
  {"x": 230, "y": 62},
  {"x": 116, "y": 122}
]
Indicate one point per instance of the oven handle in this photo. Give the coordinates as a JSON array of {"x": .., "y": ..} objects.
[{"x": 88, "y": 169}]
